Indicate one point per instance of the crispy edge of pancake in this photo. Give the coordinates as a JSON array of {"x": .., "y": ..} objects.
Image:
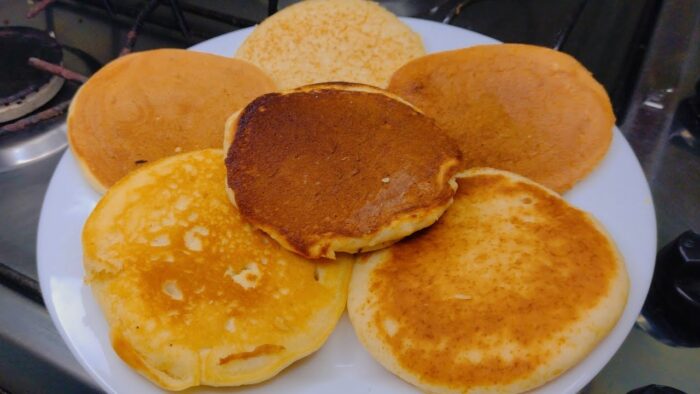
[
  {"x": 89, "y": 175},
  {"x": 584, "y": 335},
  {"x": 95, "y": 270},
  {"x": 575, "y": 69},
  {"x": 403, "y": 225}
]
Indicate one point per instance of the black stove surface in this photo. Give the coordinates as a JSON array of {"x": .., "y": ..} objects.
[{"x": 645, "y": 72}]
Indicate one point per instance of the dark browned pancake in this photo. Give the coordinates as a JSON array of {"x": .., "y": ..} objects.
[{"x": 339, "y": 168}]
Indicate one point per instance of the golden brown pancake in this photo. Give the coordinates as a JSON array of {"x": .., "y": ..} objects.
[
  {"x": 338, "y": 168},
  {"x": 509, "y": 289},
  {"x": 192, "y": 293},
  {"x": 331, "y": 40},
  {"x": 152, "y": 104},
  {"x": 526, "y": 109}
]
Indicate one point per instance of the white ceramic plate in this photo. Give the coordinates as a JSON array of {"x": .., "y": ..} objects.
[{"x": 616, "y": 193}]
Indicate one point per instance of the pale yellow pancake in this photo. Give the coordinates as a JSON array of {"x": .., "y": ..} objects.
[
  {"x": 193, "y": 294},
  {"x": 153, "y": 104},
  {"x": 331, "y": 40},
  {"x": 338, "y": 167},
  {"x": 521, "y": 108},
  {"x": 509, "y": 289}
]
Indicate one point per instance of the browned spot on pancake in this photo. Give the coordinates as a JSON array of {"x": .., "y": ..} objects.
[
  {"x": 520, "y": 108},
  {"x": 258, "y": 351},
  {"x": 451, "y": 293},
  {"x": 127, "y": 352},
  {"x": 334, "y": 162}
]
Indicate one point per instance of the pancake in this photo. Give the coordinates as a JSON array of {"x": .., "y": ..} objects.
[
  {"x": 509, "y": 289},
  {"x": 192, "y": 293},
  {"x": 338, "y": 168},
  {"x": 521, "y": 108},
  {"x": 153, "y": 104},
  {"x": 331, "y": 40}
]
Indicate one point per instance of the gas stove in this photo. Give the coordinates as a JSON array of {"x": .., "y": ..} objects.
[{"x": 645, "y": 52}]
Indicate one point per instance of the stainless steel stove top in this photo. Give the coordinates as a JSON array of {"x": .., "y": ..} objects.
[{"x": 659, "y": 67}]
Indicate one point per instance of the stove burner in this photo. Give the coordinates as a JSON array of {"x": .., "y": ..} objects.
[{"x": 24, "y": 88}]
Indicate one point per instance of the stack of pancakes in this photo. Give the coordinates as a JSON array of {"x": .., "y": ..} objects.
[{"x": 420, "y": 190}]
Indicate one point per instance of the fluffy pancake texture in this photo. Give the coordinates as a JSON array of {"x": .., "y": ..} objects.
[
  {"x": 526, "y": 109},
  {"x": 153, "y": 104},
  {"x": 192, "y": 293},
  {"x": 509, "y": 289},
  {"x": 338, "y": 168},
  {"x": 331, "y": 40}
]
